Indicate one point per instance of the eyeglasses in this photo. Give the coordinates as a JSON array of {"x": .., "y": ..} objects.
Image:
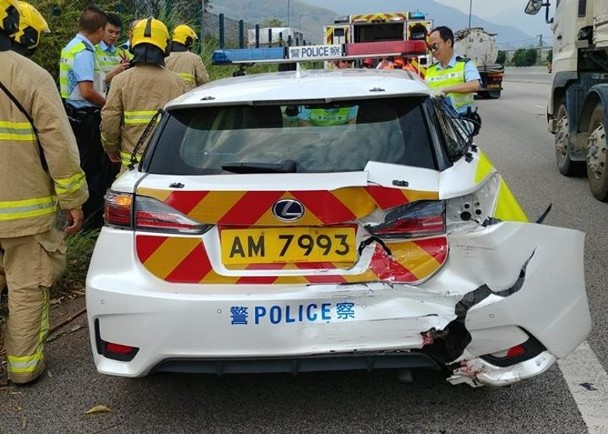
[{"x": 434, "y": 47}]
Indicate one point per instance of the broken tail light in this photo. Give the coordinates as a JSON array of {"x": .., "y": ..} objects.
[
  {"x": 414, "y": 220},
  {"x": 516, "y": 354},
  {"x": 124, "y": 210}
]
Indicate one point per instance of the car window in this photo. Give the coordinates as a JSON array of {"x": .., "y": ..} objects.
[
  {"x": 330, "y": 137},
  {"x": 453, "y": 129}
]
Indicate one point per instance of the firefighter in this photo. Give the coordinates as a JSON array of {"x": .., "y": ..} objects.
[
  {"x": 110, "y": 59},
  {"x": 452, "y": 76},
  {"x": 31, "y": 25},
  {"x": 83, "y": 102},
  {"x": 39, "y": 175},
  {"x": 183, "y": 61},
  {"x": 137, "y": 94}
]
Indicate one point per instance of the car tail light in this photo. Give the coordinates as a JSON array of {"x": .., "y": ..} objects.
[
  {"x": 154, "y": 215},
  {"x": 112, "y": 350},
  {"x": 516, "y": 354},
  {"x": 148, "y": 214},
  {"x": 118, "y": 209},
  {"x": 415, "y": 220},
  {"x": 118, "y": 348}
]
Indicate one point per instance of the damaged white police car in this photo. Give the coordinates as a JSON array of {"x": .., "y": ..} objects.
[{"x": 321, "y": 220}]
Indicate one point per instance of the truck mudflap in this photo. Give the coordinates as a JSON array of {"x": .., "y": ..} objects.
[{"x": 544, "y": 296}]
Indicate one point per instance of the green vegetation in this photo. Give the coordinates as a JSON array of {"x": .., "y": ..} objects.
[
  {"x": 502, "y": 57},
  {"x": 525, "y": 57},
  {"x": 80, "y": 247},
  {"x": 62, "y": 17}
]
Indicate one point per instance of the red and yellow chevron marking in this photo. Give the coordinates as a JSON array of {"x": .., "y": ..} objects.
[
  {"x": 329, "y": 33},
  {"x": 421, "y": 70},
  {"x": 370, "y": 18},
  {"x": 254, "y": 208},
  {"x": 185, "y": 260}
]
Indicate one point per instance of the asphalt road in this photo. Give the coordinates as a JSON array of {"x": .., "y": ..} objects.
[{"x": 514, "y": 135}]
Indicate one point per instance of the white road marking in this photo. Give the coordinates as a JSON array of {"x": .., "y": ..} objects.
[
  {"x": 588, "y": 384},
  {"x": 540, "y": 106}
]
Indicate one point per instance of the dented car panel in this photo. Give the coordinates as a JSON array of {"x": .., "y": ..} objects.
[{"x": 248, "y": 242}]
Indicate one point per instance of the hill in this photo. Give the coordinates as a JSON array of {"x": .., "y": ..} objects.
[{"x": 310, "y": 16}]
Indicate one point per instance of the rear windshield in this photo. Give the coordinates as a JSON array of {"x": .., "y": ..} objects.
[{"x": 333, "y": 137}]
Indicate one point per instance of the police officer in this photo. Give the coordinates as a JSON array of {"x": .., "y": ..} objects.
[
  {"x": 110, "y": 59},
  {"x": 136, "y": 94},
  {"x": 39, "y": 174},
  {"x": 83, "y": 102},
  {"x": 453, "y": 77},
  {"x": 183, "y": 61}
]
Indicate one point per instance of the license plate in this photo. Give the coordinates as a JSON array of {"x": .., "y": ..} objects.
[{"x": 285, "y": 245}]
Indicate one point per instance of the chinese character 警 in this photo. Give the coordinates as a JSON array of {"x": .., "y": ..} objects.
[{"x": 239, "y": 315}]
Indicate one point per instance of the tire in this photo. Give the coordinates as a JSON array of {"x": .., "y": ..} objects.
[
  {"x": 565, "y": 165},
  {"x": 597, "y": 155}
]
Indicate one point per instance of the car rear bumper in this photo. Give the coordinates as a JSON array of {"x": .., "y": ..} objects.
[{"x": 503, "y": 284}]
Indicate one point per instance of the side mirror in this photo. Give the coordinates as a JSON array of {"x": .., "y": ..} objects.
[{"x": 533, "y": 7}]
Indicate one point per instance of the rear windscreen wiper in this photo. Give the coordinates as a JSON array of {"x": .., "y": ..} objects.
[{"x": 287, "y": 166}]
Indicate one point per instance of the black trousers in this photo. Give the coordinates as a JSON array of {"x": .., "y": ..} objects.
[{"x": 98, "y": 169}]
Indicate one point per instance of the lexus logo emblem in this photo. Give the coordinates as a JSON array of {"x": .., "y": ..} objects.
[{"x": 288, "y": 210}]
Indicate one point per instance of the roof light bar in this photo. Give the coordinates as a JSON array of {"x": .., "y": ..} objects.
[{"x": 319, "y": 52}]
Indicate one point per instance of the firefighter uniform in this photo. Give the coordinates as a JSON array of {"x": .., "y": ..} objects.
[
  {"x": 39, "y": 174},
  {"x": 136, "y": 94},
  {"x": 183, "y": 62}
]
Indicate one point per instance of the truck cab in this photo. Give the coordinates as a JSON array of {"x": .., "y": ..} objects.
[{"x": 577, "y": 108}]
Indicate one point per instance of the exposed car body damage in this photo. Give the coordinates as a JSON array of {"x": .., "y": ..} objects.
[{"x": 245, "y": 243}]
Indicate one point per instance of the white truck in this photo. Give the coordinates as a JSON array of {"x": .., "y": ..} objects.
[
  {"x": 273, "y": 36},
  {"x": 577, "y": 110},
  {"x": 478, "y": 45}
]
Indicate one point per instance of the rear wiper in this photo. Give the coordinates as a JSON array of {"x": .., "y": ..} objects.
[{"x": 287, "y": 166}]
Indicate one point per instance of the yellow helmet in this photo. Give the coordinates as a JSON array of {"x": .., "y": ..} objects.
[
  {"x": 31, "y": 24},
  {"x": 184, "y": 35},
  {"x": 9, "y": 16},
  {"x": 151, "y": 31}
]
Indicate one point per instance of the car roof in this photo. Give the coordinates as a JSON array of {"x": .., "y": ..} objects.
[{"x": 315, "y": 84}]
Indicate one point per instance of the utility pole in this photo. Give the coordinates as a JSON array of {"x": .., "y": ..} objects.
[
  {"x": 288, "y": 11},
  {"x": 470, "y": 11},
  {"x": 540, "y": 40}
]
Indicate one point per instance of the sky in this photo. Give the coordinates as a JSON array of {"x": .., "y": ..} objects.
[{"x": 482, "y": 8}]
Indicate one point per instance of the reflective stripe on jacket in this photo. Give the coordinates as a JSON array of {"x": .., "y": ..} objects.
[
  {"x": 30, "y": 195},
  {"x": 106, "y": 60},
  {"x": 65, "y": 66},
  {"x": 189, "y": 67},
  {"x": 439, "y": 78},
  {"x": 134, "y": 97}
]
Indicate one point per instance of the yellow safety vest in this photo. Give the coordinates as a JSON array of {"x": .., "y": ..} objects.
[
  {"x": 324, "y": 117},
  {"x": 65, "y": 65},
  {"x": 106, "y": 60},
  {"x": 439, "y": 78}
]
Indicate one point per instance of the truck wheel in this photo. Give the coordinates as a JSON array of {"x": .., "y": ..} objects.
[
  {"x": 597, "y": 155},
  {"x": 565, "y": 165}
]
